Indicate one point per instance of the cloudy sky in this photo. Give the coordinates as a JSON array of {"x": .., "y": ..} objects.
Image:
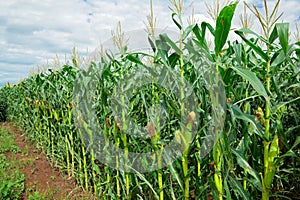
[{"x": 35, "y": 32}]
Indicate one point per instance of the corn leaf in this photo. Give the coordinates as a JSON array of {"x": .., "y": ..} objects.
[
  {"x": 246, "y": 166},
  {"x": 223, "y": 25},
  {"x": 237, "y": 113},
  {"x": 273, "y": 153},
  {"x": 274, "y": 149},
  {"x": 253, "y": 80},
  {"x": 280, "y": 58},
  {"x": 297, "y": 142},
  {"x": 273, "y": 36},
  {"x": 250, "y": 32},
  {"x": 175, "y": 21},
  {"x": 153, "y": 47},
  {"x": 237, "y": 188},
  {"x": 164, "y": 37},
  {"x": 145, "y": 181},
  {"x": 238, "y": 50},
  {"x": 281, "y": 104},
  {"x": 283, "y": 34},
  {"x": 200, "y": 37},
  {"x": 226, "y": 188},
  {"x": 255, "y": 47},
  {"x": 187, "y": 31},
  {"x": 134, "y": 58},
  {"x": 205, "y": 25}
]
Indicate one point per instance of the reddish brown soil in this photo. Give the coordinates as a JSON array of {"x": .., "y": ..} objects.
[{"x": 39, "y": 174}]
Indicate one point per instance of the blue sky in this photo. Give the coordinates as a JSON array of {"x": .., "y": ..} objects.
[{"x": 35, "y": 32}]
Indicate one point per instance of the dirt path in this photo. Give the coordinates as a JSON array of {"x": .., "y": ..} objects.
[{"x": 40, "y": 177}]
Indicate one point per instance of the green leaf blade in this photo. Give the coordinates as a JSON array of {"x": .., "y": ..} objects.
[
  {"x": 283, "y": 34},
  {"x": 223, "y": 25},
  {"x": 253, "y": 80}
]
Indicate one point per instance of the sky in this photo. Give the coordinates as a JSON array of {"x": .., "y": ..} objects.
[{"x": 35, "y": 33}]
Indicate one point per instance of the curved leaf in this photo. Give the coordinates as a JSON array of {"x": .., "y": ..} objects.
[
  {"x": 238, "y": 188},
  {"x": 237, "y": 113},
  {"x": 253, "y": 80},
  {"x": 175, "y": 21},
  {"x": 164, "y": 37},
  {"x": 255, "y": 47},
  {"x": 245, "y": 165}
]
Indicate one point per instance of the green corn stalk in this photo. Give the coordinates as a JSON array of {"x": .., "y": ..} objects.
[
  {"x": 115, "y": 130},
  {"x": 265, "y": 184},
  {"x": 124, "y": 140},
  {"x": 187, "y": 137},
  {"x": 67, "y": 155},
  {"x": 56, "y": 118},
  {"x": 117, "y": 139},
  {"x": 178, "y": 12},
  {"x": 159, "y": 148},
  {"x": 85, "y": 169},
  {"x": 271, "y": 149},
  {"x": 155, "y": 137},
  {"x": 94, "y": 173},
  {"x": 41, "y": 134},
  {"x": 160, "y": 174},
  {"x": 93, "y": 164},
  {"x": 71, "y": 139},
  {"x": 52, "y": 146},
  {"x": 80, "y": 174},
  {"x": 155, "y": 134},
  {"x": 217, "y": 165},
  {"x": 107, "y": 169},
  {"x": 118, "y": 172},
  {"x": 49, "y": 133},
  {"x": 120, "y": 42},
  {"x": 198, "y": 158},
  {"x": 67, "y": 144}
]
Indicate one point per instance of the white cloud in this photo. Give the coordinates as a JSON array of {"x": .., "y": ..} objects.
[{"x": 34, "y": 31}]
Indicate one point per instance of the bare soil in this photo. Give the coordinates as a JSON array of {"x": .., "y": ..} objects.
[{"x": 40, "y": 174}]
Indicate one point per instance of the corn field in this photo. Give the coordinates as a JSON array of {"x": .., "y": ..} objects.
[{"x": 255, "y": 154}]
